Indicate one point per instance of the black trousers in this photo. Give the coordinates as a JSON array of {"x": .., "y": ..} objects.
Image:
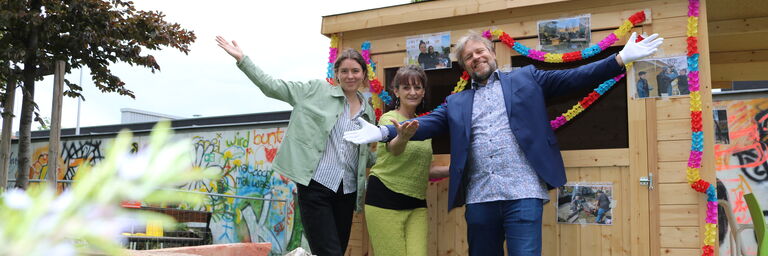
[{"x": 327, "y": 218}]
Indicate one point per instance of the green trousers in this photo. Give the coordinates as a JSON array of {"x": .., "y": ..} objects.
[{"x": 397, "y": 232}]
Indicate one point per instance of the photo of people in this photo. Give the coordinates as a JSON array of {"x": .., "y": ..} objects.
[
  {"x": 664, "y": 77},
  {"x": 585, "y": 203},
  {"x": 721, "y": 127},
  {"x": 431, "y": 51},
  {"x": 565, "y": 35}
]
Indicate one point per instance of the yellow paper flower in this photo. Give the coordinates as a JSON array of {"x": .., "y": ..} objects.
[
  {"x": 497, "y": 33},
  {"x": 553, "y": 58},
  {"x": 334, "y": 41},
  {"x": 692, "y": 174},
  {"x": 623, "y": 29},
  {"x": 710, "y": 236},
  {"x": 693, "y": 26}
]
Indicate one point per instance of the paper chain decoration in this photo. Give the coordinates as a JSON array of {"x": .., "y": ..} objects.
[{"x": 697, "y": 135}]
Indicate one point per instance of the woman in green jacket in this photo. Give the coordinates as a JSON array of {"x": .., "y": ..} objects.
[
  {"x": 329, "y": 171},
  {"x": 395, "y": 204}
]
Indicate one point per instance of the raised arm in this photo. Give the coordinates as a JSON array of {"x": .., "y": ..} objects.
[
  {"x": 558, "y": 82},
  {"x": 278, "y": 89}
]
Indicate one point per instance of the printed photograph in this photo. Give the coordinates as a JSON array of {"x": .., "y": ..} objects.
[
  {"x": 431, "y": 51},
  {"x": 666, "y": 77},
  {"x": 721, "y": 126},
  {"x": 565, "y": 35},
  {"x": 585, "y": 203}
]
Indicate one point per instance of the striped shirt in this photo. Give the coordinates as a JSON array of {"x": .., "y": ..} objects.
[
  {"x": 338, "y": 164},
  {"x": 498, "y": 168}
]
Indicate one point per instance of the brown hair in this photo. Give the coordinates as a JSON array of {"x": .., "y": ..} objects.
[
  {"x": 353, "y": 54},
  {"x": 405, "y": 75}
]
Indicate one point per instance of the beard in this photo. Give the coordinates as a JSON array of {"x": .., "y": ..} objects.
[{"x": 483, "y": 76}]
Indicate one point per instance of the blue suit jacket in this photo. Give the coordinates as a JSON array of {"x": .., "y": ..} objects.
[{"x": 524, "y": 91}]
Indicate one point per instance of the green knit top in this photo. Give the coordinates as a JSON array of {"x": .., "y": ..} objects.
[{"x": 407, "y": 173}]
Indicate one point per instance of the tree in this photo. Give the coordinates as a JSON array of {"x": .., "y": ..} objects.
[{"x": 83, "y": 33}]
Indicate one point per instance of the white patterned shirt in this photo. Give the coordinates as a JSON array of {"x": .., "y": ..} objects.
[
  {"x": 339, "y": 161},
  {"x": 498, "y": 168}
]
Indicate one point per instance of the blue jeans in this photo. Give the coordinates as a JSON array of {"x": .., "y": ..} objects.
[
  {"x": 600, "y": 215},
  {"x": 517, "y": 221}
]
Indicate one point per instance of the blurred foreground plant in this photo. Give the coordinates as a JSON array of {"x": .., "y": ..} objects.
[{"x": 87, "y": 217}]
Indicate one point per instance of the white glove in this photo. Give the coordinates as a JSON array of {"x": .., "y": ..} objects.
[
  {"x": 367, "y": 134},
  {"x": 637, "y": 50}
]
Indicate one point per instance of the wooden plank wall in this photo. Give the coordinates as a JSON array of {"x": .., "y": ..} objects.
[
  {"x": 680, "y": 222},
  {"x": 673, "y": 208},
  {"x": 737, "y": 32}
]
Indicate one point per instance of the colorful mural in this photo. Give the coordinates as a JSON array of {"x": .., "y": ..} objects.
[
  {"x": 741, "y": 151},
  {"x": 244, "y": 157}
]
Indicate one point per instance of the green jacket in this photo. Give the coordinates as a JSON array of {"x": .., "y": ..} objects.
[{"x": 316, "y": 108}]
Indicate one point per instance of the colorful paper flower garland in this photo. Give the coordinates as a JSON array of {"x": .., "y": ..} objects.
[
  {"x": 332, "y": 52},
  {"x": 593, "y": 50},
  {"x": 697, "y": 135},
  {"x": 590, "y": 51},
  {"x": 379, "y": 96}
]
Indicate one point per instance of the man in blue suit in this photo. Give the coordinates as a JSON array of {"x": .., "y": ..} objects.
[{"x": 504, "y": 155}]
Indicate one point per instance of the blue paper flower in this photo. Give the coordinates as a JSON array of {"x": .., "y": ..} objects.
[
  {"x": 521, "y": 49},
  {"x": 711, "y": 193},
  {"x": 697, "y": 141},
  {"x": 385, "y": 97},
  {"x": 693, "y": 62},
  {"x": 590, "y": 51}
]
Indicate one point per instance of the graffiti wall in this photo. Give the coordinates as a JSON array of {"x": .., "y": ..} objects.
[
  {"x": 741, "y": 144},
  {"x": 244, "y": 157}
]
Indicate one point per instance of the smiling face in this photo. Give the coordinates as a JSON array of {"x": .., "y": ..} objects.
[
  {"x": 411, "y": 93},
  {"x": 478, "y": 61},
  {"x": 350, "y": 75}
]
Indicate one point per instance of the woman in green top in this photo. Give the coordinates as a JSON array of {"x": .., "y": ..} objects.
[
  {"x": 329, "y": 171},
  {"x": 395, "y": 205}
]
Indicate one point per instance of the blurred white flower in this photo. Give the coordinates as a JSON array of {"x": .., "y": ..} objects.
[
  {"x": 62, "y": 202},
  {"x": 133, "y": 166},
  {"x": 62, "y": 249},
  {"x": 17, "y": 199}
]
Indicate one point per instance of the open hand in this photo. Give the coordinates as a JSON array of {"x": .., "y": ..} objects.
[
  {"x": 407, "y": 129},
  {"x": 368, "y": 133},
  {"x": 637, "y": 50},
  {"x": 233, "y": 49}
]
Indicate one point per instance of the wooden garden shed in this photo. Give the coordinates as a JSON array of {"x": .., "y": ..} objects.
[{"x": 620, "y": 140}]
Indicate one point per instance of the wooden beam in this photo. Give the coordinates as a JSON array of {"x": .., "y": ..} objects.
[
  {"x": 736, "y": 9},
  {"x": 680, "y": 237},
  {"x": 738, "y": 26},
  {"x": 416, "y": 12},
  {"x": 737, "y": 42},
  {"x": 722, "y": 84},
  {"x": 739, "y": 56},
  {"x": 595, "y": 157},
  {"x": 747, "y": 71}
]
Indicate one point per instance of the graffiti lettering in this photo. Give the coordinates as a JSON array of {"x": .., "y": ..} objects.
[
  {"x": 270, "y": 138},
  {"x": 239, "y": 141}
]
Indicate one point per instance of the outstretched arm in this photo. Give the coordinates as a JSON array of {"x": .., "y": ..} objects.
[
  {"x": 558, "y": 82},
  {"x": 289, "y": 92}
]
